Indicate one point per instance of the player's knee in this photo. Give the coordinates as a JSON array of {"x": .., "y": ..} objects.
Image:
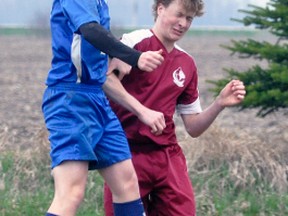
[
  {"x": 73, "y": 197},
  {"x": 77, "y": 195},
  {"x": 127, "y": 185},
  {"x": 131, "y": 182}
]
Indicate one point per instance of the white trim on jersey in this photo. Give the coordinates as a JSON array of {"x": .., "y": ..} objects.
[
  {"x": 133, "y": 38},
  {"x": 76, "y": 55},
  {"x": 187, "y": 109}
]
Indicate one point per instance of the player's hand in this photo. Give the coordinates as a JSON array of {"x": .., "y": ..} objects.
[
  {"x": 121, "y": 67},
  {"x": 232, "y": 94},
  {"x": 155, "y": 120},
  {"x": 150, "y": 60}
]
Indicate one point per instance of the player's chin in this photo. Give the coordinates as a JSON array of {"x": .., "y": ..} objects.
[
  {"x": 174, "y": 38},
  {"x": 175, "y": 35}
]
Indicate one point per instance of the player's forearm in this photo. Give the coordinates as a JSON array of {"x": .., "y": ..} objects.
[
  {"x": 197, "y": 124},
  {"x": 116, "y": 92},
  {"x": 103, "y": 40}
]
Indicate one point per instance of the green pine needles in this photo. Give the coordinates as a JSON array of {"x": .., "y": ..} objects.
[{"x": 267, "y": 86}]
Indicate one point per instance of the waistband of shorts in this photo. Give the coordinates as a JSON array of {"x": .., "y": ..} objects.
[
  {"x": 76, "y": 87},
  {"x": 146, "y": 147},
  {"x": 136, "y": 146}
]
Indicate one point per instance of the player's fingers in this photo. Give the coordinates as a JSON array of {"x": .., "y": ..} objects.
[
  {"x": 152, "y": 65},
  {"x": 108, "y": 73},
  {"x": 240, "y": 97},
  {"x": 120, "y": 77},
  {"x": 162, "y": 122},
  {"x": 240, "y": 91},
  {"x": 238, "y": 88},
  {"x": 159, "y": 127},
  {"x": 160, "y": 51},
  {"x": 236, "y": 83},
  {"x": 157, "y": 59},
  {"x": 157, "y": 133},
  {"x": 154, "y": 129}
]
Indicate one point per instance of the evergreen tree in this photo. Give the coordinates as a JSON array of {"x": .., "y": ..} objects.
[{"x": 267, "y": 87}]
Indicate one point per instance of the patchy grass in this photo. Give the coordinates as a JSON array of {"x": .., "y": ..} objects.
[
  {"x": 196, "y": 32},
  {"x": 24, "y": 31},
  {"x": 231, "y": 176},
  {"x": 236, "y": 174},
  {"x": 26, "y": 186}
]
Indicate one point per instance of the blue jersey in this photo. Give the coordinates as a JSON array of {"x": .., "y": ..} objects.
[{"x": 75, "y": 59}]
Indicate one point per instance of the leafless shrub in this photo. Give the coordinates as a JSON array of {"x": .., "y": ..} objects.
[
  {"x": 248, "y": 159},
  {"x": 3, "y": 136},
  {"x": 27, "y": 164}
]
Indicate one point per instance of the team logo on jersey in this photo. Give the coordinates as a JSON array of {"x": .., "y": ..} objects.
[{"x": 179, "y": 77}]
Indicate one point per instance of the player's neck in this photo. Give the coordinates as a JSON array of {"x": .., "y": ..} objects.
[{"x": 168, "y": 44}]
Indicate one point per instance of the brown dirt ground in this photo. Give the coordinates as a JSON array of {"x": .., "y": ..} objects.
[{"x": 24, "y": 62}]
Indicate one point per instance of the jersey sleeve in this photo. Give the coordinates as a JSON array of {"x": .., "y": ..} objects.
[
  {"x": 80, "y": 12},
  {"x": 189, "y": 101},
  {"x": 192, "y": 108},
  {"x": 133, "y": 38}
]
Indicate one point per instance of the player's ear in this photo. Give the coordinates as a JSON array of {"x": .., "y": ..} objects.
[{"x": 160, "y": 8}]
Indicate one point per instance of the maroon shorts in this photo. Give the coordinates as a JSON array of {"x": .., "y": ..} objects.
[{"x": 165, "y": 186}]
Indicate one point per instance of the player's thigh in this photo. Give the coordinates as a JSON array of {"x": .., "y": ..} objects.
[
  {"x": 119, "y": 173},
  {"x": 70, "y": 174},
  {"x": 175, "y": 197}
]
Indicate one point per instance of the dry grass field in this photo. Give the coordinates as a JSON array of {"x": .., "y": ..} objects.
[
  {"x": 24, "y": 62},
  {"x": 243, "y": 140}
]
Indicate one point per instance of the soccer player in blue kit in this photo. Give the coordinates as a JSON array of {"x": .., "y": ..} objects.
[{"x": 84, "y": 132}]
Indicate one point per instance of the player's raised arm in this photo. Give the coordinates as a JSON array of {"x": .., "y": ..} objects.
[
  {"x": 104, "y": 40},
  {"x": 232, "y": 94}
]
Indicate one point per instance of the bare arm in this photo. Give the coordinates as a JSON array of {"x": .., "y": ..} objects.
[
  {"x": 232, "y": 94},
  {"x": 116, "y": 92}
]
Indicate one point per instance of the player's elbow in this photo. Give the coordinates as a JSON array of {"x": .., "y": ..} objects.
[{"x": 193, "y": 133}]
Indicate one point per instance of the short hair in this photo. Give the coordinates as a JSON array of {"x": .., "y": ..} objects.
[{"x": 196, "y": 6}]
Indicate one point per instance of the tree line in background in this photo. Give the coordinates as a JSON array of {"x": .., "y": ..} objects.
[{"x": 267, "y": 87}]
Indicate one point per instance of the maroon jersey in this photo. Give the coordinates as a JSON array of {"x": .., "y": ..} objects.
[{"x": 173, "y": 85}]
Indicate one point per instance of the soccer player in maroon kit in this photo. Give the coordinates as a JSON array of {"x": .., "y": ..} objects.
[{"x": 160, "y": 164}]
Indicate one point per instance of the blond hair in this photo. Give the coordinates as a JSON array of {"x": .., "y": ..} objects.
[{"x": 197, "y": 6}]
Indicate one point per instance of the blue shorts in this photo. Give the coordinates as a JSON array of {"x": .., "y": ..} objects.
[{"x": 83, "y": 127}]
